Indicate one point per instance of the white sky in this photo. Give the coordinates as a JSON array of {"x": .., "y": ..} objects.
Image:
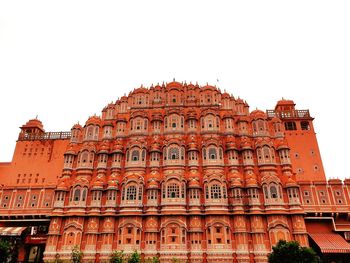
[{"x": 65, "y": 60}]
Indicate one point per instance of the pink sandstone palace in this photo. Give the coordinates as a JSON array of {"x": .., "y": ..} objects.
[{"x": 175, "y": 171}]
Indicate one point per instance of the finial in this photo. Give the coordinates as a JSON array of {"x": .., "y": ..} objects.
[{"x": 36, "y": 117}]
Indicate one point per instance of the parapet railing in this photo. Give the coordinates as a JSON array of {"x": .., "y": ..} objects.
[
  {"x": 44, "y": 136},
  {"x": 288, "y": 114}
]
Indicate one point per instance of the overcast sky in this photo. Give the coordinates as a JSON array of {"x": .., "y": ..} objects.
[{"x": 65, "y": 60}]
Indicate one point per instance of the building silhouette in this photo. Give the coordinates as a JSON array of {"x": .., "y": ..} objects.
[{"x": 176, "y": 171}]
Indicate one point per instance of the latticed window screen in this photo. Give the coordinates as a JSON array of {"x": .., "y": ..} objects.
[
  {"x": 173, "y": 153},
  {"x": 212, "y": 153},
  {"x": 131, "y": 193},
  {"x": 215, "y": 191},
  {"x": 135, "y": 155},
  {"x": 173, "y": 190}
]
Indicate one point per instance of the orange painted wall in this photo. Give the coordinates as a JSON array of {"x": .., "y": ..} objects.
[
  {"x": 34, "y": 162},
  {"x": 305, "y": 154}
]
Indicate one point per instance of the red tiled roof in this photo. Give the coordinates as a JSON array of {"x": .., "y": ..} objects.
[{"x": 331, "y": 243}]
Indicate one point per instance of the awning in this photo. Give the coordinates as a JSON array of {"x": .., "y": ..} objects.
[
  {"x": 12, "y": 231},
  {"x": 331, "y": 243}
]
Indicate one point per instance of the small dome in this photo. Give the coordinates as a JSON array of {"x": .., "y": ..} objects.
[
  {"x": 284, "y": 102},
  {"x": 209, "y": 87},
  {"x": 258, "y": 114},
  {"x": 76, "y": 126},
  {"x": 174, "y": 84},
  {"x": 275, "y": 119},
  {"x": 225, "y": 95},
  {"x": 34, "y": 123},
  {"x": 93, "y": 120},
  {"x": 140, "y": 90},
  {"x": 239, "y": 101}
]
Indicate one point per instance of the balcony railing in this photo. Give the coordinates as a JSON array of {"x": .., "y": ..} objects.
[
  {"x": 292, "y": 114},
  {"x": 44, "y": 136}
]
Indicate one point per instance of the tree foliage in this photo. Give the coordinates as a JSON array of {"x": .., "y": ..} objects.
[
  {"x": 117, "y": 257},
  {"x": 4, "y": 250},
  {"x": 134, "y": 257},
  {"x": 77, "y": 255},
  {"x": 292, "y": 252}
]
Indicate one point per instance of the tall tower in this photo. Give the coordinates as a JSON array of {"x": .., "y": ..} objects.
[{"x": 301, "y": 137}]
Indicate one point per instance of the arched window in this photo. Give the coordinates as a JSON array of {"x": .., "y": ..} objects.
[
  {"x": 84, "y": 194},
  {"x": 173, "y": 153},
  {"x": 273, "y": 191},
  {"x": 84, "y": 157},
  {"x": 76, "y": 195},
  {"x": 131, "y": 193},
  {"x": 89, "y": 133},
  {"x": 277, "y": 127},
  {"x": 135, "y": 155},
  {"x": 217, "y": 122},
  {"x": 212, "y": 153},
  {"x": 173, "y": 190},
  {"x": 143, "y": 155},
  {"x": 166, "y": 122},
  {"x": 266, "y": 153},
  {"x": 215, "y": 191}
]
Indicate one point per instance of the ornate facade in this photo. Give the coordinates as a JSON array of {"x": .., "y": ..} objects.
[{"x": 175, "y": 171}]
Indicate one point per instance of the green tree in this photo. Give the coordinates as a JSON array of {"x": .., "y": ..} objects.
[
  {"x": 292, "y": 252},
  {"x": 77, "y": 255},
  {"x": 134, "y": 257},
  {"x": 4, "y": 250},
  {"x": 117, "y": 257}
]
